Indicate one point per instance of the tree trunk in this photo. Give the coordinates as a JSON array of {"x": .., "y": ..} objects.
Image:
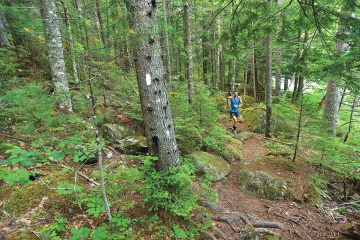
[
  {"x": 332, "y": 97},
  {"x": 268, "y": 81},
  {"x": 167, "y": 43},
  {"x": 152, "y": 84},
  {"x": 3, "y": 37},
  {"x": 278, "y": 72},
  {"x": 286, "y": 84},
  {"x": 101, "y": 23},
  {"x": 253, "y": 70},
  {"x": 188, "y": 49},
  {"x": 70, "y": 42},
  {"x": 205, "y": 58},
  {"x": 278, "y": 59},
  {"x": 55, "y": 54}
]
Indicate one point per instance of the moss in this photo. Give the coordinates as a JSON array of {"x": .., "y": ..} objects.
[
  {"x": 256, "y": 116},
  {"x": 262, "y": 185},
  {"x": 216, "y": 166},
  {"x": 28, "y": 197},
  {"x": 231, "y": 153}
]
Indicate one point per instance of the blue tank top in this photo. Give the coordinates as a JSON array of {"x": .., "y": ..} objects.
[{"x": 233, "y": 102}]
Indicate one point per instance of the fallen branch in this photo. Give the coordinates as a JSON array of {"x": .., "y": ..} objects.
[
  {"x": 89, "y": 179},
  {"x": 83, "y": 176}
]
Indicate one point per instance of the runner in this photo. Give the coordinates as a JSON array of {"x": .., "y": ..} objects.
[{"x": 235, "y": 104}]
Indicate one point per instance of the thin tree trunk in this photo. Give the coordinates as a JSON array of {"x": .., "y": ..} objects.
[
  {"x": 350, "y": 121},
  {"x": 205, "y": 60},
  {"x": 278, "y": 72},
  {"x": 155, "y": 106},
  {"x": 268, "y": 83},
  {"x": 3, "y": 37},
  {"x": 70, "y": 42},
  {"x": 253, "y": 70},
  {"x": 167, "y": 43},
  {"x": 55, "y": 54},
  {"x": 299, "y": 128},
  {"x": 188, "y": 49},
  {"x": 101, "y": 23},
  {"x": 286, "y": 84}
]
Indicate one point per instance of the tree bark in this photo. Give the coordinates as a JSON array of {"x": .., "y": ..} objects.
[
  {"x": 101, "y": 23},
  {"x": 268, "y": 81},
  {"x": 332, "y": 97},
  {"x": 278, "y": 72},
  {"x": 152, "y": 84},
  {"x": 167, "y": 43},
  {"x": 188, "y": 48},
  {"x": 3, "y": 37},
  {"x": 55, "y": 54},
  {"x": 70, "y": 42}
]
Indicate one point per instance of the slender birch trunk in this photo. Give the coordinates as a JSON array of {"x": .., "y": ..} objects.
[
  {"x": 70, "y": 42},
  {"x": 55, "y": 54}
]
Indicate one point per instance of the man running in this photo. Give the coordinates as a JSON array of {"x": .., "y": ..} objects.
[{"x": 235, "y": 104}]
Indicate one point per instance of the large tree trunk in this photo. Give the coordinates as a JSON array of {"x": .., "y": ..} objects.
[
  {"x": 152, "y": 84},
  {"x": 3, "y": 38},
  {"x": 188, "y": 48},
  {"x": 167, "y": 43},
  {"x": 55, "y": 54},
  {"x": 268, "y": 82},
  {"x": 70, "y": 42}
]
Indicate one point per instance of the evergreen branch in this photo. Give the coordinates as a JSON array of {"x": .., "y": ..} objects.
[{"x": 213, "y": 20}]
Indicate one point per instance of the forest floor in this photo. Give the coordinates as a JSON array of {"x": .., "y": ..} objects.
[
  {"x": 303, "y": 219},
  {"x": 302, "y": 212}
]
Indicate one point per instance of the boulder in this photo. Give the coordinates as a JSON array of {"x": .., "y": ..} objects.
[
  {"x": 232, "y": 153},
  {"x": 262, "y": 185},
  {"x": 132, "y": 145},
  {"x": 114, "y": 133},
  {"x": 205, "y": 162},
  {"x": 243, "y": 136}
]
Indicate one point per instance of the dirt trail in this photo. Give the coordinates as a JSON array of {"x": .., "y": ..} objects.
[{"x": 302, "y": 220}]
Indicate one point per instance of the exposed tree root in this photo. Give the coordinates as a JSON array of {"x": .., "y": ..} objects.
[{"x": 234, "y": 219}]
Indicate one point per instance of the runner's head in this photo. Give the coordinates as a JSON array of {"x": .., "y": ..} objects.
[{"x": 235, "y": 93}]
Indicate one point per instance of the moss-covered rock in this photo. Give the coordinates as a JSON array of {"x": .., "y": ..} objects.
[
  {"x": 256, "y": 116},
  {"x": 235, "y": 142},
  {"x": 114, "y": 133},
  {"x": 205, "y": 162},
  {"x": 262, "y": 185},
  {"x": 232, "y": 153},
  {"x": 133, "y": 145},
  {"x": 243, "y": 136}
]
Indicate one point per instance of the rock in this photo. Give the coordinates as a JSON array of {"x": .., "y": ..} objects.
[
  {"x": 114, "y": 133},
  {"x": 256, "y": 116},
  {"x": 262, "y": 185},
  {"x": 232, "y": 153},
  {"x": 235, "y": 142},
  {"x": 243, "y": 136},
  {"x": 216, "y": 166},
  {"x": 133, "y": 145}
]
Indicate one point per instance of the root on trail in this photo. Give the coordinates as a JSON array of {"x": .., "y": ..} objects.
[{"x": 234, "y": 220}]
